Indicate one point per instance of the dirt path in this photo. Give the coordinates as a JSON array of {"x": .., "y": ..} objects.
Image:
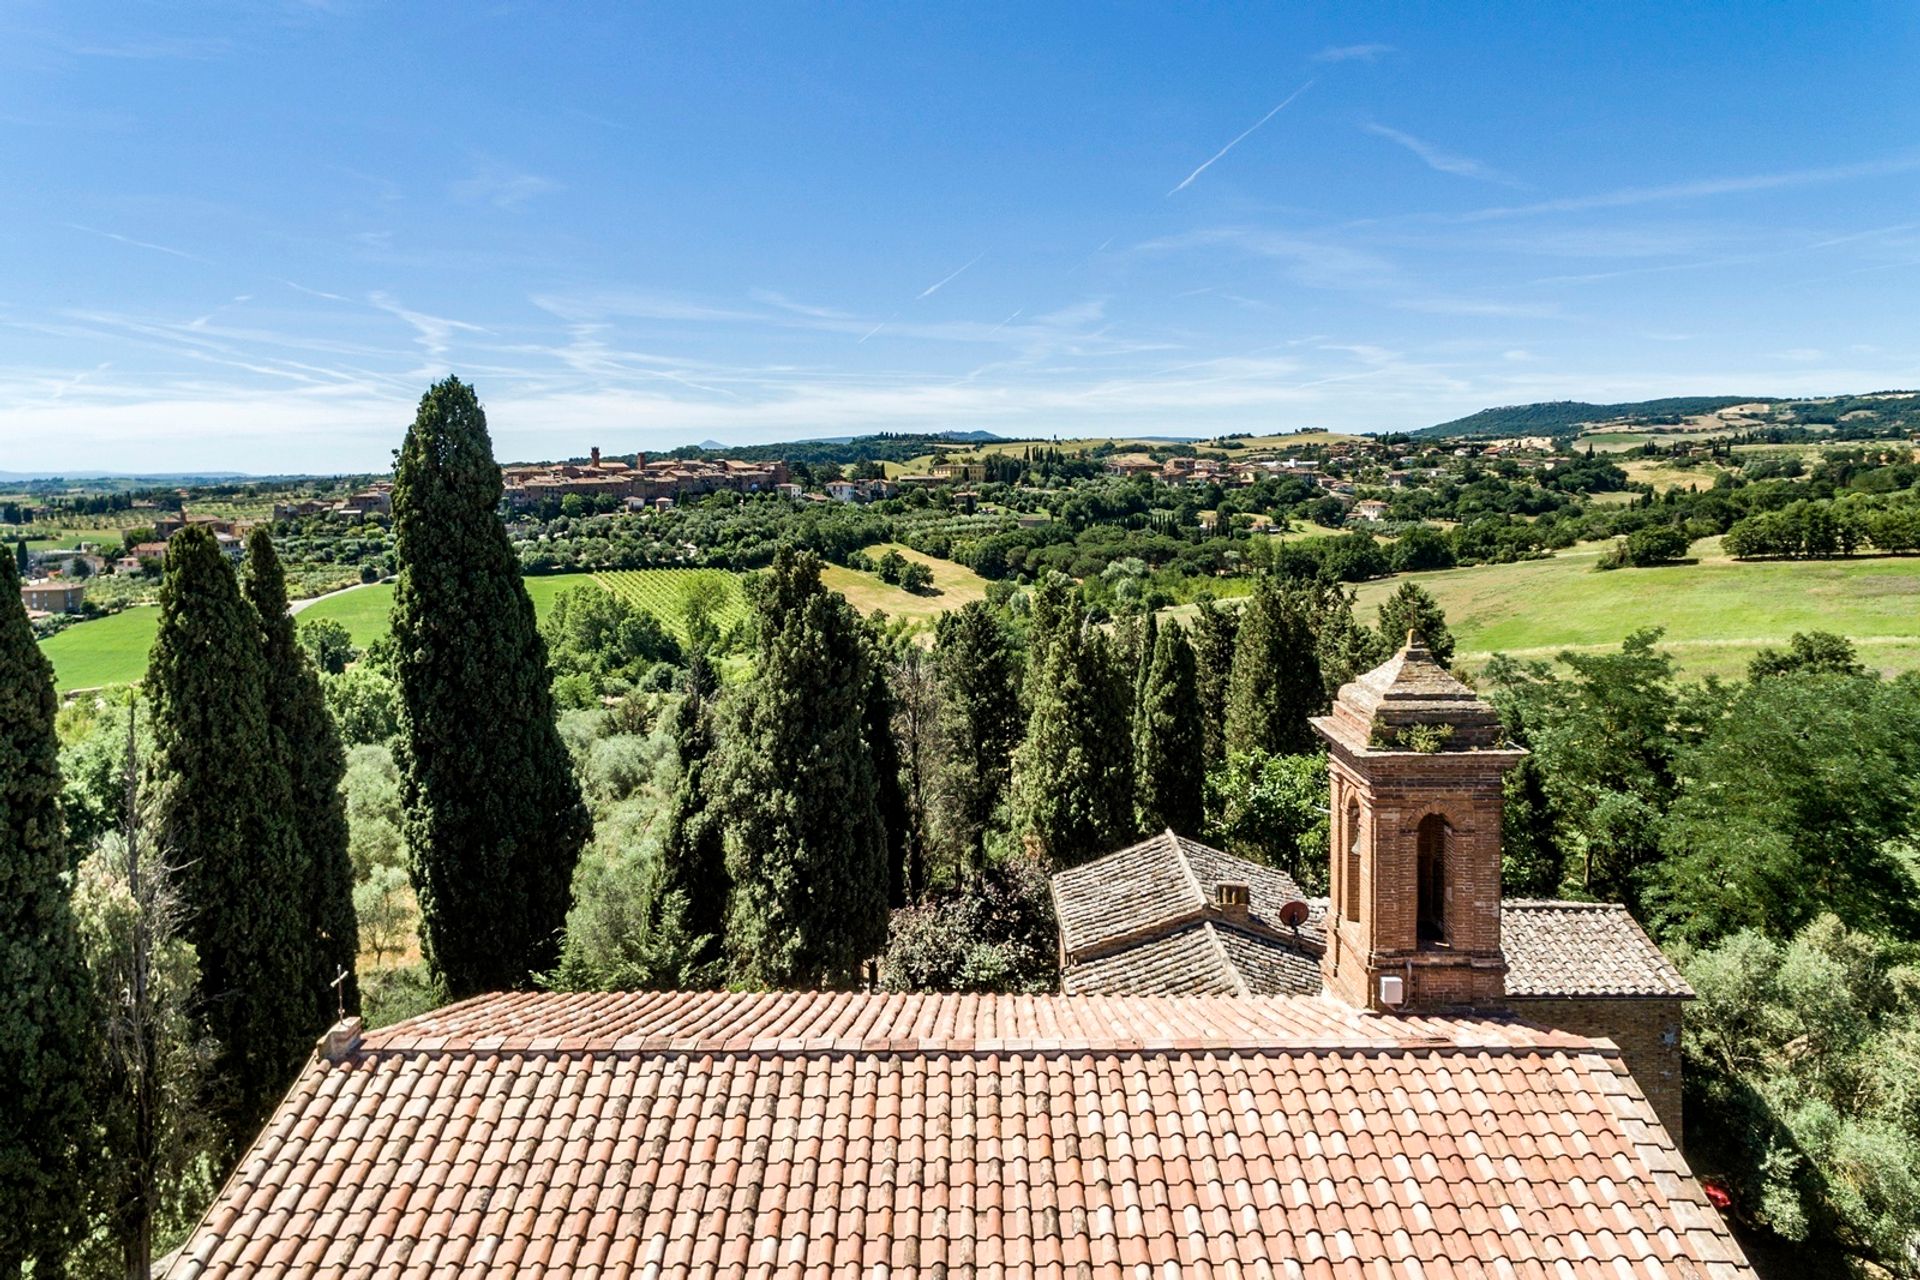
[{"x": 299, "y": 605}]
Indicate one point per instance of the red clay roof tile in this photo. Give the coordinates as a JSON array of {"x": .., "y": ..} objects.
[{"x": 827, "y": 1135}]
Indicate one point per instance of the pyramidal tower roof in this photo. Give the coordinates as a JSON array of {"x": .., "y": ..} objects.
[{"x": 1411, "y": 703}]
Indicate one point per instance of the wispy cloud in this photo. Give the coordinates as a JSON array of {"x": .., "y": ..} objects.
[
  {"x": 139, "y": 244},
  {"x": 938, "y": 285},
  {"x": 158, "y": 48},
  {"x": 1354, "y": 53},
  {"x": 1284, "y": 104},
  {"x": 1440, "y": 159},
  {"x": 1704, "y": 188},
  {"x": 501, "y": 187}
]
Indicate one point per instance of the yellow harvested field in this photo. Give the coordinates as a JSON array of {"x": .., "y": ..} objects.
[{"x": 953, "y": 586}]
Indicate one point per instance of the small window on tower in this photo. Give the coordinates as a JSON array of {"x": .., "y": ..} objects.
[
  {"x": 1431, "y": 880},
  {"x": 1351, "y": 878}
]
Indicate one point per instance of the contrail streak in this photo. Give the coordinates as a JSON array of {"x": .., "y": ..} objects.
[
  {"x": 934, "y": 288},
  {"x": 1184, "y": 182}
]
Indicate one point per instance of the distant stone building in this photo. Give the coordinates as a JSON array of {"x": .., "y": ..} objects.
[
  {"x": 53, "y": 595},
  {"x": 528, "y": 486}
]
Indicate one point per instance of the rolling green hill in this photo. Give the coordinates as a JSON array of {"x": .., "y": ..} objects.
[{"x": 1566, "y": 417}]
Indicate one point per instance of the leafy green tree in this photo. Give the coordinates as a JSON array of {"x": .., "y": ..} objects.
[
  {"x": 308, "y": 747},
  {"x": 917, "y": 578},
  {"x": 1272, "y": 809},
  {"x": 224, "y": 809},
  {"x": 494, "y": 816},
  {"x": 1276, "y": 682},
  {"x": 157, "y": 1161},
  {"x": 1803, "y": 1063},
  {"x": 46, "y": 1010},
  {"x": 892, "y": 567},
  {"x": 1169, "y": 773},
  {"x": 1072, "y": 773},
  {"x": 797, "y": 791},
  {"x": 993, "y": 932},
  {"x": 1815, "y": 651},
  {"x": 594, "y": 633},
  {"x": 980, "y": 725},
  {"x": 1215, "y": 637},
  {"x": 1412, "y": 609},
  {"x": 1607, "y": 735},
  {"x": 1343, "y": 648},
  {"x": 328, "y": 644},
  {"x": 1532, "y": 862},
  {"x": 1803, "y": 799},
  {"x": 364, "y": 701}
]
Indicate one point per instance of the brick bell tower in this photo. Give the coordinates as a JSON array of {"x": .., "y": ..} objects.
[{"x": 1416, "y": 761}]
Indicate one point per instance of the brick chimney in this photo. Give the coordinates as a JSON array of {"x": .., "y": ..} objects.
[{"x": 1233, "y": 899}]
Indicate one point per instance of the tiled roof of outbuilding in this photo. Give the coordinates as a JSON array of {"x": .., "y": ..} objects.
[
  {"x": 1159, "y": 883},
  {"x": 1582, "y": 949},
  {"x": 679, "y": 1135},
  {"x": 1132, "y": 922}
]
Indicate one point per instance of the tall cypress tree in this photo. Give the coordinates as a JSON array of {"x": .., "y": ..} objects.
[
  {"x": 1412, "y": 608},
  {"x": 1169, "y": 775},
  {"x": 687, "y": 900},
  {"x": 494, "y": 816},
  {"x": 307, "y": 745},
  {"x": 1215, "y": 633},
  {"x": 1073, "y": 798},
  {"x": 1276, "y": 682},
  {"x": 46, "y": 1014},
  {"x": 980, "y": 723},
  {"x": 890, "y": 794},
  {"x": 224, "y": 805},
  {"x": 798, "y": 793}
]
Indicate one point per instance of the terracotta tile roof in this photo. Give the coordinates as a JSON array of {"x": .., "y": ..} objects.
[
  {"x": 1130, "y": 922},
  {"x": 1163, "y": 881},
  {"x": 1582, "y": 949},
  {"x": 1200, "y": 959},
  {"x": 814, "y": 1135}
]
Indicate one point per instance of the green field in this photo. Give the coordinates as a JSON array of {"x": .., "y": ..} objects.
[
  {"x": 1716, "y": 612},
  {"x": 109, "y": 650}
]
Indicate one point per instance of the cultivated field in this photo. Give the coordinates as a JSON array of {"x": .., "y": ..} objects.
[
  {"x": 668, "y": 594},
  {"x": 953, "y": 585},
  {"x": 1716, "y": 612}
]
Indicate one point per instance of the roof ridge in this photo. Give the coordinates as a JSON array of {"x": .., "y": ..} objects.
[{"x": 1186, "y": 865}]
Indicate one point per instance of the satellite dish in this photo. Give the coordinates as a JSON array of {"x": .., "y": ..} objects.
[{"x": 1293, "y": 914}]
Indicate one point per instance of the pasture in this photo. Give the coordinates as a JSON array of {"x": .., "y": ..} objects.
[{"x": 1717, "y": 612}]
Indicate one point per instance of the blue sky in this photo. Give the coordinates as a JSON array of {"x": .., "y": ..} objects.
[{"x": 247, "y": 235}]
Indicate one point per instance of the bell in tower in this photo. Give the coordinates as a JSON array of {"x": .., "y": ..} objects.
[{"x": 1416, "y": 763}]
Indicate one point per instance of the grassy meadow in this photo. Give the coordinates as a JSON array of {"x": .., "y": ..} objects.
[
  {"x": 953, "y": 586},
  {"x": 1717, "y": 611}
]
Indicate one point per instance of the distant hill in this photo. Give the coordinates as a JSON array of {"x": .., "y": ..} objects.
[
  {"x": 1778, "y": 419},
  {"x": 1568, "y": 417},
  {"x": 131, "y": 479},
  {"x": 885, "y": 447}
]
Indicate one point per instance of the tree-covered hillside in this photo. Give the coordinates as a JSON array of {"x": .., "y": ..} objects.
[{"x": 1566, "y": 417}]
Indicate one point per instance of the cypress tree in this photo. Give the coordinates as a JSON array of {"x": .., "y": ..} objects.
[
  {"x": 1215, "y": 633},
  {"x": 223, "y": 811},
  {"x": 46, "y": 1013},
  {"x": 688, "y": 898},
  {"x": 890, "y": 794},
  {"x": 1072, "y": 794},
  {"x": 1412, "y": 608},
  {"x": 980, "y": 722},
  {"x": 494, "y": 819},
  {"x": 1276, "y": 682},
  {"x": 1169, "y": 776},
  {"x": 307, "y": 744},
  {"x": 22, "y": 561},
  {"x": 798, "y": 793}
]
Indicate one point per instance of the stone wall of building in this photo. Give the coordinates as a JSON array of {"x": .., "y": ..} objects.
[{"x": 1646, "y": 1029}]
